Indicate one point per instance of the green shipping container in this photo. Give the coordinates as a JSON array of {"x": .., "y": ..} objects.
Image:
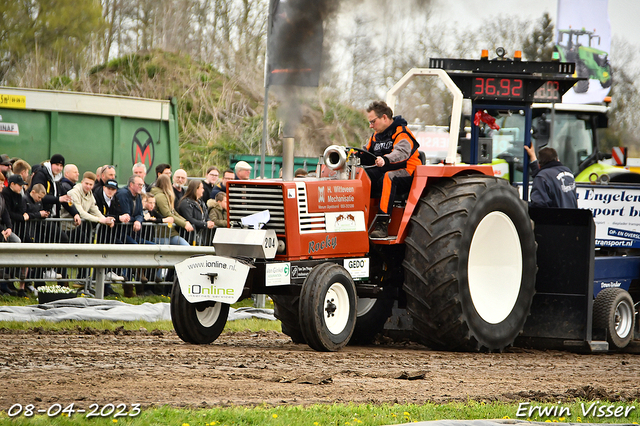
[{"x": 89, "y": 130}]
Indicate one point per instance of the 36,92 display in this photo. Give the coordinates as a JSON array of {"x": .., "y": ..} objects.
[{"x": 498, "y": 88}]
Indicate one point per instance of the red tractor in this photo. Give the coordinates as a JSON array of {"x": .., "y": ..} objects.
[{"x": 461, "y": 255}]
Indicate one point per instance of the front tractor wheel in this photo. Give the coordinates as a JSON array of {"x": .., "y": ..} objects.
[
  {"x": 328, "y": 307},
  {"x": 470, "y": 264},
  {"x": 613, "y": 310},
  {"x": 197, "y": 323}
]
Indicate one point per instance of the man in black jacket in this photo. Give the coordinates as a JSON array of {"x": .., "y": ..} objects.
[
  {"x": 553, "y": 184},
  {"x": 16, "y": 205},
  {"x": 55, "y": 197},
  {"x": 70, "y": 178},
  {"x": 108, "y": 204}
]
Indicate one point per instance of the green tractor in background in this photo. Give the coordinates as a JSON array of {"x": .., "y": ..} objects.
[{"x": 590, "y": 62}]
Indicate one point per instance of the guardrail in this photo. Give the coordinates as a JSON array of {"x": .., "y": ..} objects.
[
  {"x": 84, "y": 239},
  {"x": 97, "y": 256}
]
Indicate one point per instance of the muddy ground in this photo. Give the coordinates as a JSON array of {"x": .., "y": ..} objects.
[{"x": 246, "y": 368}]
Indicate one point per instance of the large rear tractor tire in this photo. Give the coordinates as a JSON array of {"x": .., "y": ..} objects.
[
  {"x": 613, "y": 310},
  {"x": 371, "y": 315},
  {"x": 470, "y": 264},
  {"x": 328, "y": 307},
  {"x": 287, "y": 310},
  {"x": 197, "y": 323}
]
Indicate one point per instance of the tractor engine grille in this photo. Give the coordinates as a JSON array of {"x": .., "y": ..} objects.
[{"x": 246, "y": 199}]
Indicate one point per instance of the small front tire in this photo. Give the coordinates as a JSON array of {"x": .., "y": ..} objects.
[
  {"x": 328, "y": 307},
  {"x": 197, "y": 323}
]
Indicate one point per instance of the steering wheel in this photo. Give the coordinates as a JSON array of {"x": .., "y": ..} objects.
[{"x": 366, "y": 158}]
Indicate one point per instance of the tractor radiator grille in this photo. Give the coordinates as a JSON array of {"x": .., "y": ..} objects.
[
  {"x": 309, "y": 222},
  {"x": 245, "y": 200}
]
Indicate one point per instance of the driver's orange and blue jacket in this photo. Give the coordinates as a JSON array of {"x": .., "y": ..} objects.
[{"x": 396, "y": 145}]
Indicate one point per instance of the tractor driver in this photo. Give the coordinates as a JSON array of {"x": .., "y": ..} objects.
[{"x": 396, "y": 152}]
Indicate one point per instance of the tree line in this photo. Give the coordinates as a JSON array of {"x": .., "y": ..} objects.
[{"x": 368, "y": 46}]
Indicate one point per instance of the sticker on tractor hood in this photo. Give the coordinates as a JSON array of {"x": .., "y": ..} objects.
[
  {"x": 214, "y": 278},
  {"x": 328, "y": 242},
  {"x": 277, "y": 274},
  {"x": 333, "y": 197},
  {"x": 345, "y": 221}
]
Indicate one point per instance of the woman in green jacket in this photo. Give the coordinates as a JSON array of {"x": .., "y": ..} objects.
[{"x": 164, "y": 204}]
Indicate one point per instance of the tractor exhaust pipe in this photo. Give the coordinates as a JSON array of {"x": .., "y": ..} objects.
[{"x": 287, "y": 158}]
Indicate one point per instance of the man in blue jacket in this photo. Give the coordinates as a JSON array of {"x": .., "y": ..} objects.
[
  {"x": 131, "y": 204},
  {"x": 553, "y": 184}
]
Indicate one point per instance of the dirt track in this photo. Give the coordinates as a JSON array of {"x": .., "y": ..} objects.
[{"x": 252, "y": 368}]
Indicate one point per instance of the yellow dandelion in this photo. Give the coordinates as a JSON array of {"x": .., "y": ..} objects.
[
  {"x": 185, "y": 424},
  {"x": 316, "y": 423},
  {"x": 406, "y": 413},
  {"x": 115, "y": 420},
  {"x": 275, "y": 416},
  {"x": 562, "y": 419},
  {"x": 547, "y": 421},
  {"x": 506, "y": 417},
  {"x": 579, "y": 420}
]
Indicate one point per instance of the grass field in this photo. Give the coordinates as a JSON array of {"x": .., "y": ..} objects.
[{"x": 321, "y": 415}]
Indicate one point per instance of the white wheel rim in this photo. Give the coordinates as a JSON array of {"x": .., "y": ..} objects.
[
  {"x": 336, "y": 308},
  {"x": 364, "y": 305},
  {"x": 623, "y": 319},
  {"x": 495, "y": 267},
  {"x": 208, "y": 316}
]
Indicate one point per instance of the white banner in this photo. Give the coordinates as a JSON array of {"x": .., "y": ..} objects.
[
  {"x": 616, "y": 213},
  {"x": 583, "y": 36}
]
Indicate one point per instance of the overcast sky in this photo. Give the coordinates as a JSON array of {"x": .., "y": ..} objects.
[{"x": 624, "y": 15}]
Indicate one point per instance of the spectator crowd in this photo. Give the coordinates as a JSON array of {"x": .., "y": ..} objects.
[{"x": 53, "y": 202}]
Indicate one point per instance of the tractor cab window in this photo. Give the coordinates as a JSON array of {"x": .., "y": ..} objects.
[
  {"x": 506, "y": 137},
  {"x": 572, "y": 138}
]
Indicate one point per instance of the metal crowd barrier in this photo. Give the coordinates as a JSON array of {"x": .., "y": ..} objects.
[
  {"x": 53, "y": 233},
  {"x": 97, "y": 257}
]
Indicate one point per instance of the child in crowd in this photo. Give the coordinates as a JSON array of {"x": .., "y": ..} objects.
[{"x": 218, "y": 208}]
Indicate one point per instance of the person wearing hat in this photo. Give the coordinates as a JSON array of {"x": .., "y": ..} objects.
[
  {"x": 243, "y": 170},
  {"x": 109, "y": 206},
  {"x": 5, "y": 167},
  {"x": 17, "y": 205},
  {"x": 22, "y": 168},
  {"x": 48, "y": 176},
  {"x": 7, "y": 235}
]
